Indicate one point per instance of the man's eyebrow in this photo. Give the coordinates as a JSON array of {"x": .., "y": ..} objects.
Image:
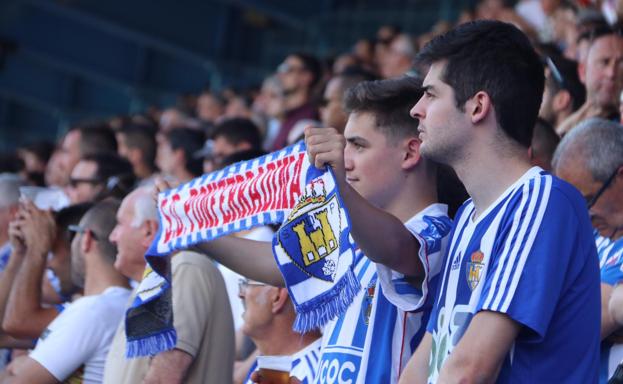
[
  {"x": 353, "y": 139},
  {"x": 428, "y": 88}
]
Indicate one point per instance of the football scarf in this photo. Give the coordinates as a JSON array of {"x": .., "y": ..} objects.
[{"x": 313, "y": 248}]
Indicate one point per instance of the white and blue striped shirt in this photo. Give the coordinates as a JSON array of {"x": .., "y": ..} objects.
[
  {"x": 374, "y": 339},
  {"x": 531, "y": 255}
]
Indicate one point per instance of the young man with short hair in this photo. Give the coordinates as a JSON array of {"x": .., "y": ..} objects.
[
  {"x": 519, "y": 299},
  {"x": 390, "y": 193}
]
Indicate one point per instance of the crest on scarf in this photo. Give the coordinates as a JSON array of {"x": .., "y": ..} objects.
[
  {"x": 310, "y": 237},
  {"x": 474, "y": 269}
]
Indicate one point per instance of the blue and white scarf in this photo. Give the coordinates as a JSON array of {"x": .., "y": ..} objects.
[{"x": 313, "y": 248}]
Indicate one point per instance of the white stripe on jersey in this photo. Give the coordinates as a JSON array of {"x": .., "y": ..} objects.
[{"x": 527, "y": 246}]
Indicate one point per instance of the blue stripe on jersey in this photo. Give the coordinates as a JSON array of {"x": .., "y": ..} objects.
[{"x": 385, "y": 322}]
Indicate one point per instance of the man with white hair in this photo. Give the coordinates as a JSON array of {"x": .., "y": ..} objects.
[
  {"x": 590, "y": 158},
  {"x": 9, "y": 199},
  {"x": 204, "y": 352}
]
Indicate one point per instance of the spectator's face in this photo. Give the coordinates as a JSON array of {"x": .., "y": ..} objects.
[
  {"x": 70, "y": 153},
  {"x": 131, "y": 240},
  {"x": 607, "y": 212},
  {"x": 332, "y": 112},
  {"x": 165, "y": 156},
  {"x": 395, "y": 63},
  {"x": 291, "y": 74},
  {"x": 83, "y": 184},
  {"x": 208, "y": 108},
  {"x": 444, "y": 129},
  {"x": 222, "y": 148},
  {"x": 603, "y": 75},
  {"x": 60, "y": 264},
  {"x": 372, "y": 163},
  {"x": 257, "y": 307}
]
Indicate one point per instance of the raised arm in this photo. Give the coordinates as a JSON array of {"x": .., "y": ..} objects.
[
  {"x": 381, "y": 236},
  {"x": 25, "y": 317},
  {"x": 250, "y": 258}
]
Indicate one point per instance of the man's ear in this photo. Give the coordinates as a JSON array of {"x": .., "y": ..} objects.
[
  {"x": 279, "y": 299},
  {"x": 478, "y": 107},
  {"x": 86, "y": 242},
  {"x": 412, "y": 154},
  {"x": 149, "y": 230},
  {"x": 561, "y": 101}
]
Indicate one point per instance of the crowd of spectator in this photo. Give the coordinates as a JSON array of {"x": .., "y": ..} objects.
[{"x": 78, "y": 215}]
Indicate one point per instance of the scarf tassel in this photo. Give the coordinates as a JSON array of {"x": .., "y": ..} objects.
[
  {"x": 320, "y": 310},
  {"x": 151, "y": 345}
]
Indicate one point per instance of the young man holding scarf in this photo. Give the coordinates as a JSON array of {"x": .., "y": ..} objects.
[{"x": 390, "y": 193}]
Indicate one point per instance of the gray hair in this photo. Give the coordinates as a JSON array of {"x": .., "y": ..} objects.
[
  {"x": 144, "y": 207},
  {"x": 9, "y": 189},
  {"x": 599, "y": 142}
]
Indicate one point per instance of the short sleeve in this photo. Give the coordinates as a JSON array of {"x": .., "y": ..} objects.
[
  {"x": 75, "y": 335},
  {"x": 431, "y": 232},
  {"x": 545, "y": 242},
  {"x": 191, "y": 305}
]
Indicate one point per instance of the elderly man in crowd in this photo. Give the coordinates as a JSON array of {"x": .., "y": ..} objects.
[
  {"x": 204, "y": 352},
  {"x": 591, "y": 158},
  {"x": 268, "y": 319}
]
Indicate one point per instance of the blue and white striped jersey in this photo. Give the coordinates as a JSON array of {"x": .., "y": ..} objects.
[
  {"x": 304, "y": 364},
  {"x": 532, "y": 256},
  {"x": 610, "y": 261},
  {"x": 374, "y": 339}
]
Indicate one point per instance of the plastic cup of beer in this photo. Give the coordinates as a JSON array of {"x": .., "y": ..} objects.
[{"x": 274, "y": 369}]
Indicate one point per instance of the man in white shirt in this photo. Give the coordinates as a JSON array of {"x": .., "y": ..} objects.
[{"x": 74, "y": 346}]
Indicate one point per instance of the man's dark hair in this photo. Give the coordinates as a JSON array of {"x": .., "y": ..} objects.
[
  {"x": 67, "y": 216},
  {"x": 496, "y": 58},
  {"x": 115, "y": 173},
  {"x": 567, "y": 78},
  {"x": 389, "y": 101},
  {"x": 100, "y": 220},
  {"x": 544, "y": 140},
  {"x": 96, "y": 138},
  {"x": 312, "y": 65},
  {"x": 239, "y": 130},
  {"x": 143, "y": 138},
  {"x": 190, "y": 141}
]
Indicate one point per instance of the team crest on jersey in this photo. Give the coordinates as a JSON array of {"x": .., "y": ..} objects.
[
  {"x": 310, "y": 236},
  {"x": 368, "y": 297},
  {"x": 474, "y": 269}
]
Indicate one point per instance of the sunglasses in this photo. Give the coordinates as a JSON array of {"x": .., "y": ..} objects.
[
  {"x": 78, "y": 229},
  {"x": 590, "y": 203}
]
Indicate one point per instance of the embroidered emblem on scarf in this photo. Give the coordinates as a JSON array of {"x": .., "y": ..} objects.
[{"x": 313, "y": 248}]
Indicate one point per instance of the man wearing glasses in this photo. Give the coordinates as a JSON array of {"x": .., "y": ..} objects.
[
  {"x": 591, "y": 158},
  {"x": 268, "y": 319}
]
